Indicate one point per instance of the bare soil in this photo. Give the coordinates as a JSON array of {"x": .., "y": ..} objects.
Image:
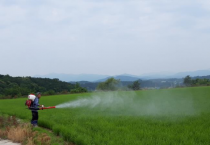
[{"x": 8, "y": 142}]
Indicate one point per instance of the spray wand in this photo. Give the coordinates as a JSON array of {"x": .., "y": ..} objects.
[{"x": 42, "y": 108}]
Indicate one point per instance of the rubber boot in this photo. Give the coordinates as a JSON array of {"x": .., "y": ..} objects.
[{"x": 34, "y": 123}]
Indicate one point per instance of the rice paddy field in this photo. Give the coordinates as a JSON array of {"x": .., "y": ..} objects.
[{"x": 160, "y": 117}]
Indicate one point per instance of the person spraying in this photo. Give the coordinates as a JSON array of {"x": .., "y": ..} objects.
[{"x": 35, "y": 105}]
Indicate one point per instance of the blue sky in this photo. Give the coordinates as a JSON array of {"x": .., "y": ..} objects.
[{"x": 103, "y": 37}]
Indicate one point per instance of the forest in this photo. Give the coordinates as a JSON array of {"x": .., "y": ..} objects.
[{"x": 14, "y": 87}]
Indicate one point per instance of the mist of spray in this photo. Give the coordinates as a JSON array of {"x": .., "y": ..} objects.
[
  {"x": 129, "y": 103},
  {"x": 103, "y": 100}
]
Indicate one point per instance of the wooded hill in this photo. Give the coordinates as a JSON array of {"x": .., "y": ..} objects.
[
  {"x": 13, "y": 87},
  {"x": 152, "y": 83},
  {"x": 156, "y": 83}
]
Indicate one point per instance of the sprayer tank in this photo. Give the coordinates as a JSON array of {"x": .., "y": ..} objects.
[{"x": 31, "y": 97}]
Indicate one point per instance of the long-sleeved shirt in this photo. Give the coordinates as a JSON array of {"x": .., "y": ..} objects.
[{"x": 35, "y": 104}]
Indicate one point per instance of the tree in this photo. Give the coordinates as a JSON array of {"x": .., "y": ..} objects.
[
  {"x": 188, "y": 80},
  {"x": 110, "y": 84},
  {"x": 135, "y": 85},
  {"x": 21, "y": 86},
  {"x": 78, "y": 89}
]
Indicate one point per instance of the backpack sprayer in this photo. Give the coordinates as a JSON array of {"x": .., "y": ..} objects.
[{"x": 30, "y": 102}]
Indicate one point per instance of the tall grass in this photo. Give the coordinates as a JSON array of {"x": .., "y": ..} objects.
[
  {"x": 20, "y": 132},
  {"x": 174, "y": 116}
]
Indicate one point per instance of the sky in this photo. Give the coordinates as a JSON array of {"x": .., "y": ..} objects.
[{"x": 107, "y": 37}]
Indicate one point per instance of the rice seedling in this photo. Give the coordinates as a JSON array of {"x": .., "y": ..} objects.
[{"x": 170, "y": 116}]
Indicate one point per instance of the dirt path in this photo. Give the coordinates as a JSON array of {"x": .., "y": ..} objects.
[{"x": 7, "y": 142}]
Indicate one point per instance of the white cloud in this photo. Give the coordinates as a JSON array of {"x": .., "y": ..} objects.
[
  {"x": 11, "y": 15},
  {"x": 205, "y": 4},
  {"x": 104, "y": 34}
]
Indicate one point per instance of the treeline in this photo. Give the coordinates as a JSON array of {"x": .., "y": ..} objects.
[
  {"x": 13, "y": 87},
  {"x": 189, "y": 81},
  {"x": 144, "y": 84},
  {"x": 112, "y": 84}
]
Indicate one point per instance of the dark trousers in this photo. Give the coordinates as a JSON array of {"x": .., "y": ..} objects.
[{"x": 35, "y": 118}]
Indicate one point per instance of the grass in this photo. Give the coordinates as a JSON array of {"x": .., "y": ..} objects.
[
  {"x": 22, "y": 132},
  {"x": 173, "y": 116}
]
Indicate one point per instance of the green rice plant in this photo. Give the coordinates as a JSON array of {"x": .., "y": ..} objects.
[{"x": 168, "y": 116}]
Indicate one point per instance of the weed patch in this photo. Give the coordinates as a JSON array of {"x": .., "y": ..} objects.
[{"x": 19, "y": 132}]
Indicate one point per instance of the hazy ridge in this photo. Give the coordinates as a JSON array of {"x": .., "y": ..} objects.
[{"x": 122, "y": 77}]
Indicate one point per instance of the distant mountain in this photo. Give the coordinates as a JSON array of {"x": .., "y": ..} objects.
[
  {"x": 121, "y": 78},
  {"x": 175, "y": 75},
  {"x": 201, "y": 77},
  {"x": 155, "y": 76},
  {"x": 73, "y": 77},
  {"x": 192, "y": 73}
]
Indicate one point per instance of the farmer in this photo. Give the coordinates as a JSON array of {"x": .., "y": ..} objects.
[{"x": 35, "y": 116}]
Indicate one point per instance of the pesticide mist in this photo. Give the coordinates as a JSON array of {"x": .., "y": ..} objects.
[{"x": 132, "y": 104}]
